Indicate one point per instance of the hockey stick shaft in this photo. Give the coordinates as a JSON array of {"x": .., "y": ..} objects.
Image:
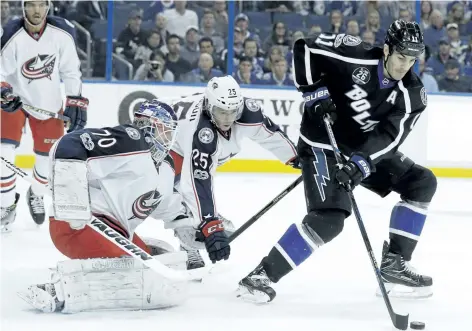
[
  {"x": 399, "y": 321},
  {"x": 114, "y": 237},
  {"x": 51, "y": 114},
  {"x": 264, "y": 210}
]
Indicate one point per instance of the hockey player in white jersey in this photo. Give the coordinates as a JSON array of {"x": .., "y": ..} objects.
[
  {"x": 37, "y": 52},
  {"x": 213, "y": 125},
  {"x": 119, "y": 175}
]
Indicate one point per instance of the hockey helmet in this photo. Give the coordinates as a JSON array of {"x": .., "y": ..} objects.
[
  {"x": 406, "y": 38},
  {"x": 159, "y": 123},
  {"x": 223, "y": 101},
  {"x": 23, "y": 7}
]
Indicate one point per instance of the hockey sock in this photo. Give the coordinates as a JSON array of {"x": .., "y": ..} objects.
[
  {"x": 406, "y": 223},
  {"x": 291, "y": 250},
  {"x": 40, "y": 172},
  {"x": 8, "y": 177}
]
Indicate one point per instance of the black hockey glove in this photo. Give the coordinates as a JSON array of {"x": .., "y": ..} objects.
[
  {"x": 212, "y": 233},
  {"x": 295, "y": 162},
  {"x": 319, "y": 102},
  {"x": 76, "y": 111},
  {"x": 354, "y": 171},
  {"x": 10, "y": 102}
]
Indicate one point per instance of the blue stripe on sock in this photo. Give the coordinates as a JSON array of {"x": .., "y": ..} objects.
[
  {"x": 294, "y": 245},
  {"x": 407, "y": 220},
  {"x": 8, "y": 190},
  {"x": 8, "y": 177}
]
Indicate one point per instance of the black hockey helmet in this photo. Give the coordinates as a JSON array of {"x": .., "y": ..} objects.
[{"x": 406, "y": 38}]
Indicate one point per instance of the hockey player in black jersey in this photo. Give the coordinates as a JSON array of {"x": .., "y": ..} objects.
[{"x": 375, "y": 99}]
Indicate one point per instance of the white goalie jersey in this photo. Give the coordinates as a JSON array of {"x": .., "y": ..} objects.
[
  {"x": 124, "y": 185},
  {"x": 35, "y": 65},
  {"x": 201, "y": 147}
]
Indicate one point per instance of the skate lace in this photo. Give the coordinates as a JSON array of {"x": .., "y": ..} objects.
[
  {"x": 410, "y": 270},
  {"x": 261, "y": 278},
  {"x": 37, "y": 204}
]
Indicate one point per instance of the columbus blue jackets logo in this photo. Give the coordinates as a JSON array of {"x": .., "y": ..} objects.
[
  {"x": 40, "y": 66},
  {"x": 144, "y": 205}
]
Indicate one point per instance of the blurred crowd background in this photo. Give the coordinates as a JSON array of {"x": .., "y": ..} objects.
[{"x": 191, "y": 41}]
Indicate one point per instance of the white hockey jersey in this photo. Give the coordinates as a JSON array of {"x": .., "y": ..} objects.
[
  {"x": 34, "y": 67},
  {"x": 125, "y": 186},
  {"x": 200, "y": 148}
]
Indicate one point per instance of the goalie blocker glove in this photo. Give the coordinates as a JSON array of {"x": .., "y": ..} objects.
[
  {"x": 76, "y": 111},
  {"x": 212, "y": 234}
]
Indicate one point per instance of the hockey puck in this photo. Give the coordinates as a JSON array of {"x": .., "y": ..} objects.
[{"x": 417, "y": 325}]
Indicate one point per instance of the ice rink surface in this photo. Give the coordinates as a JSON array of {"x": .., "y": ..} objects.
[{"x": 332, "y": 291}]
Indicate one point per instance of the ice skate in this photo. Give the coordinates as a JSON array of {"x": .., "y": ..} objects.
[
  {"x": 36, "y": 206},
  {"x": 400, "y": 278},
  {"x": 9, "y": 215},
  {"x": 195, "y": 259},
  {"x": 255, "y": 287}
]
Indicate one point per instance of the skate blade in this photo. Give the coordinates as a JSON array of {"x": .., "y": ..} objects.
[
  {"x": 5, "y": 229},
  {"x": 252, "y": 296},
  {"x": 406, "y": 292},
  {"x": 38, "y": 299}
]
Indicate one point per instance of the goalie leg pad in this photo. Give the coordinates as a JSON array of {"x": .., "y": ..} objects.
[
  {"x": 70, "y": 192},
  {"x": 118, "y": 284}
]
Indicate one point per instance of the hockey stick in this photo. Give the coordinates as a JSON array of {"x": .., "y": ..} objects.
[
  {"x": 117, "y": 239},
  {"x": 51, "y": 114},
  {"x": 261, "y": 212},
  {"x": 399, "y": 321}
]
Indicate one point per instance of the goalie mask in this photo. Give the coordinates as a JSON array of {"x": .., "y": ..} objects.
[
  {"x": 159, "y": 123},
  {"x": 223, "y": 101},
  {"x": 35, "y": 12}
]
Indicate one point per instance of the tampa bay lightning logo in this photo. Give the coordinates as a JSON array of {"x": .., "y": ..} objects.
[
  {"x": 40, "y": 66},
  {"x": 145, "y": 204},
  {"x": 322, "y": 172}
]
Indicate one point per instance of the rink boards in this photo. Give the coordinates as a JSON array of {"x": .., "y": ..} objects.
[{"x": 440, "y": 141}]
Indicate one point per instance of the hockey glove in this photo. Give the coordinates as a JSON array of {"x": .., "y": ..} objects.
[
  {"x": 76, "y": 111},
  {"x": 354, "y": 171},
  {"x": 319, "y": 101},
  {"x": 216, "y": 241},
  {"x": 295, "y": 162},
  {"x": 10, "y": 102}
]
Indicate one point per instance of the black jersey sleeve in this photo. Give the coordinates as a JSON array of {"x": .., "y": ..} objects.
[
  {"x": 391, "y": 132},
  {"x": 325, "y": 54},
  {"x": 95, "y": 143}
]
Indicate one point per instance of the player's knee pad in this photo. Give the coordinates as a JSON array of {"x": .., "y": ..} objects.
[
  {"x": 420, "y": 185},
  {"x": 326, "y": 224},
  {"x": 117, "y": 284}
]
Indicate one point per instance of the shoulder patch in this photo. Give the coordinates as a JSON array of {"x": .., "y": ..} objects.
[
  {"x": 87, "y": 141},
  {"x": 361, "y": 75},
  {"x": 424, "y": 97},
  {"x": 349, "y": 40},
  {"x": 206, "y": 135},
  {"x": 338, "y": 40},
  {"x": 252, "y": 105},
  {"x": 133, "y": 133}
]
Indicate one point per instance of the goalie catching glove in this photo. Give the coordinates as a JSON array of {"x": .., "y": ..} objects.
[
  {"x": 212, "y": 234},
  {"x": 76, "y": 111}
]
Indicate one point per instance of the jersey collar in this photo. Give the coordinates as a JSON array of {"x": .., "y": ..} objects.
[{"x": 384, "y": 82}]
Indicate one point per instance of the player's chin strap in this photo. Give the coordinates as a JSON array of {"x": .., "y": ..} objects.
[
  {"x": 118, "y": 240},
  {"x": 399, "y": 321}
]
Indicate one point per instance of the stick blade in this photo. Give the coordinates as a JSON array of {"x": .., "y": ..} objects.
[{"x": 400, "y": 321}]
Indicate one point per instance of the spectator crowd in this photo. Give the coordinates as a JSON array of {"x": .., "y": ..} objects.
[{"x": 187, "y": 41}]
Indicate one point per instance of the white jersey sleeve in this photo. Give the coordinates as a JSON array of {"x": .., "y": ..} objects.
[{"x": 261, "y": 129}]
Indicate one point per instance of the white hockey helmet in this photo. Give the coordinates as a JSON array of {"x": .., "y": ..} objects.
[
  {"x": 23, "y": 6},
  {"x": 223, "y": 101}
]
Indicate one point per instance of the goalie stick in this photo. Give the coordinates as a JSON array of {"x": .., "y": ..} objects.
[
  {"x": 117, "y": 239},
  {"x": 399, "y": 321}
]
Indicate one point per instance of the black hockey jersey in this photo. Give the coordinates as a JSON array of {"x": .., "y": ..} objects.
[{"x": 374, "y": 113}]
